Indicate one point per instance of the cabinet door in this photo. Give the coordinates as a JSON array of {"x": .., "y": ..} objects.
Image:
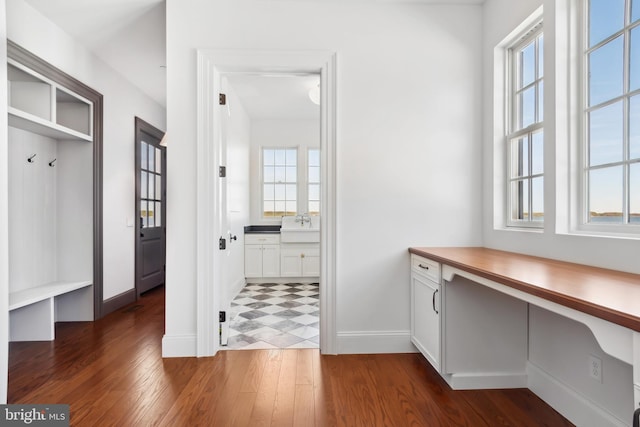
[
  {"x": 253, "y": 261},
  {"x": 270, "y": 260},
  {"x": 425, "y": 318},
  {"x": 311, "y": 263},
  {"x": 291, "y": 262}
]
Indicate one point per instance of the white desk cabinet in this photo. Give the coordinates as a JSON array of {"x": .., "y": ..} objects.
[{"x": 426, "y": 308}]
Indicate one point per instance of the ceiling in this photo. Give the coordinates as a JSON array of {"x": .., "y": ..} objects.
[
  {"x": 274, "y": 96},
  {"x": 130, "y": 36}
]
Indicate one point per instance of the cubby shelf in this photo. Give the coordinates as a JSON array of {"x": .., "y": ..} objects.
[
  {"x": 35, "y": 124},
  {"x": 38, "y": 104}
]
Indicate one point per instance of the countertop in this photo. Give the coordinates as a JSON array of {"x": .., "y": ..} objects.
[{"x": 262, "y": 229}]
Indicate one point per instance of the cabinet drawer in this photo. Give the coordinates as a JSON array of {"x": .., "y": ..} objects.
[
  {"x": 261, "y": 239},
  {"x": 426, "y": 267}
]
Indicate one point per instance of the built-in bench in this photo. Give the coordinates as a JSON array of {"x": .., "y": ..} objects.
[{"x": 34, "y": 311}]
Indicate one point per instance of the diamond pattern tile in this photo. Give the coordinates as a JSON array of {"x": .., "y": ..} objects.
[{"x": 274, "y": 315}]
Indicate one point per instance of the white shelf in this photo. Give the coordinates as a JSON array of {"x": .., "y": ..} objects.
[
  {"x": 39, "y": 293},
  {"x": 35, "y": 124}
]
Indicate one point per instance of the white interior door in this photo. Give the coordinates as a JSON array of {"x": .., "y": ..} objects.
[{"x": 226, "y": 247}]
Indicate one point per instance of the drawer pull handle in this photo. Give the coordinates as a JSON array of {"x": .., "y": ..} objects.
[
  {"x": 433, "y": 301},
  {"x": 426, "y": 267}
]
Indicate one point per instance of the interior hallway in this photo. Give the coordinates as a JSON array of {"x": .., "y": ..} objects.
[{"x": 111, "y": 373}]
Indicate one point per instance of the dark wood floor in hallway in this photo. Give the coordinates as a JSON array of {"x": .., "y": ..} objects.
[{"x": 111, "y": 373}]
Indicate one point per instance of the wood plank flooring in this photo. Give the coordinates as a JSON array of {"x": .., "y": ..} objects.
[{"x": 112, "y": 374}]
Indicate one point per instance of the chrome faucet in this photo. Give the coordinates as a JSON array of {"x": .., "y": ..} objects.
[{"x": 302, "y": 218}]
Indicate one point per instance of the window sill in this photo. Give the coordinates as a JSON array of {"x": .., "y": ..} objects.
[
  {"x": 604, "y": 234},
  {"x": 521, "y": 229}
]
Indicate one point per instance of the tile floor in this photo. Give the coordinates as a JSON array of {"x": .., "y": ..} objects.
[{"x": 271, "y": 315}]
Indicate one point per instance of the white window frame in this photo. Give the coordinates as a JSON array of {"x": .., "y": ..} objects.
[
  {"x": 583, "y": 213},
  {"x": 262, "y": 182},
  {"x": 531, "y": 33},
  {"x": 308, "y": 179}
]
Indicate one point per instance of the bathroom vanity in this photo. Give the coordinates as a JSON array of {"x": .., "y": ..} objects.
[{"x": 290, "y": 250}]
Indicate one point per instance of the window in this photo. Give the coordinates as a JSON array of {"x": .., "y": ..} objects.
[
  {"x": 150, "y": 185},
  {"x": 525, "y": 134},
  {"x": 611, "y": 113},
  {"x": 279, "y": 182},
  {"x": 313, "y": 181}
]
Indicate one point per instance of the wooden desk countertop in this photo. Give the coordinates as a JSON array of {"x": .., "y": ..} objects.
[{"x": 608, "y": 294}]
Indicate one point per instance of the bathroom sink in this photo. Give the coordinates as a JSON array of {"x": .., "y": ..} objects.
[{"x": 300, "y": 229}]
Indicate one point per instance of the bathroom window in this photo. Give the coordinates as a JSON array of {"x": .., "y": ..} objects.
[
  {"x": 525, "y": 135},
  {"x": 611, "y": 116},
  {"x": 313, "y": 181},
  {"x": 279, "y": 182}
]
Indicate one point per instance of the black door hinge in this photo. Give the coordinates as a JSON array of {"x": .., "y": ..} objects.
[
  {"x": 222, "y": 99},
  {"x": 222, "y": 244},
  {"x": 222, "y": 316},
  {"x": 222, "y": 171}
]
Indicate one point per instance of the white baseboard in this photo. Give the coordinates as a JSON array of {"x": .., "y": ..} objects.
[
  {"x": 568, "y": 402},
  {"x": 486, "y": 380},
  {"x": 375, "y": 342},
  {"x": 179, "y": 346}
]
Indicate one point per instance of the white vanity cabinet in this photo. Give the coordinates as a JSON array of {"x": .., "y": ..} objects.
[
  {"x": 300, "y": 260},
  {"x": 261, "y": 255},
  {"x": 426, "y": 309}
]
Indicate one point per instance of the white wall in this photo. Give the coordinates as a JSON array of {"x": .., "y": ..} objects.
[
  {"x": 122, "y": 102},
  {"x": 300, "y": 134},
  {"x": 238, "y": 149},
  {"x": 558, "y": 346},
  {"x": 4, "y": 215},
  {"x": 408, "y": 126}
]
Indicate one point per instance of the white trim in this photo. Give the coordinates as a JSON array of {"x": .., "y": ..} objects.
[
  {"x": 501, "y": 122},
  {"x": 486, "y": 380},
  {"x": 4, "y": 214},
  {"x": 571, "y": 404},
  {"x": 179, "y": 345},
  {"x": 375, "y": 342},
  {"x": 211, "y": 65}
]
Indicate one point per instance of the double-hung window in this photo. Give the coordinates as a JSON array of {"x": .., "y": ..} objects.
[
  {"x": 611, "y": 114},
  {"x": 525, "y": 137},
  {"x": 279, "y": 182}
]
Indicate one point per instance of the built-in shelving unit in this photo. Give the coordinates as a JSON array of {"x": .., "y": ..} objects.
[
  {"x": 55, "y": 238},
  {"x": 38, "y": 105}
]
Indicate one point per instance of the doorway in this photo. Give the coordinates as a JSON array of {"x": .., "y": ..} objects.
[
  {"x": 270, "y": 144},
  {"x": 151, "y": 178},
  {"x": 212, "y": 65}
]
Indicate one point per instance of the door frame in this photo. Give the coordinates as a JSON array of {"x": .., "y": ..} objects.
[
  {"x": 142, "y": 127},
  {"x": 211, "y": 64}
]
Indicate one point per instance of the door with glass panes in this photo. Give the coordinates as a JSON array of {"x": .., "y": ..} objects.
[{"x": 151, "y": 162}]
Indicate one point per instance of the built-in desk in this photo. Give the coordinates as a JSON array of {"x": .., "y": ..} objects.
[{"x": 483, "y": 329}]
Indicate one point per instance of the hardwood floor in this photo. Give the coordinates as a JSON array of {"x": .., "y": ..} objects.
[{"x": 111, "y": 373}]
